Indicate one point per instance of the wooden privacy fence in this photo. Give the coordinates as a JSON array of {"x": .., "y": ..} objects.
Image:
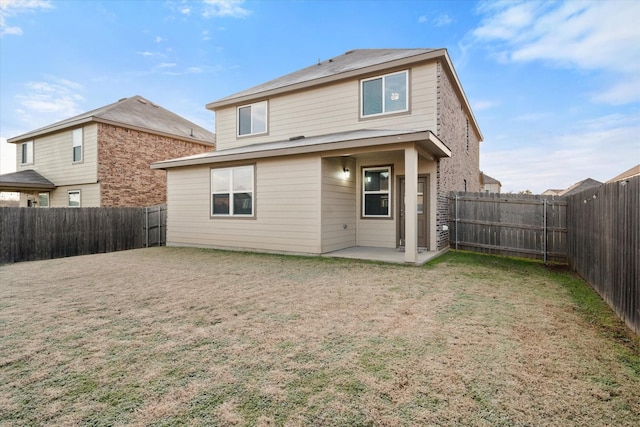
[
  {"x": 508, "y": 224},
  {"x": 604, "y": 244},
  {"x": 28, "y": 234}
]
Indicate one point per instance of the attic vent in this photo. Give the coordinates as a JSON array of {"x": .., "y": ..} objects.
[
  {"x": 121, "y": 99},
  {"x": 141, "y": 100},
  {"x": 349, "y": 51},
  {"x": 295, "y": 138},
  {"x": 153, "y": 105}
]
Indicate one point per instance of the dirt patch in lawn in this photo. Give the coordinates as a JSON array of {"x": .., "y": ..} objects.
[{"x": 176, "y": 336}]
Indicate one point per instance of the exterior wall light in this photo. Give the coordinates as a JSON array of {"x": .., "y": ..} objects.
[{"x": 346, "y": 172}]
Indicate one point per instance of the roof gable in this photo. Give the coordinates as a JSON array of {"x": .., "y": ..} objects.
[
  {"x": 350, "y": 65},
  {"x": 349, "y": 61},
  {"x": 135, "y": 112}
]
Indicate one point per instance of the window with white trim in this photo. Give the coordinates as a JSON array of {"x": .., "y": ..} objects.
[
  {"x": 26, "y": 153},
  {"x": 252, "y": 119},
  {"x": 376, "y": 192},
  {"x": 43, "y": 200},
  {"x": 73, "y": 198},
  {"x": 232, "y": 191},
  {"x": 77, "y": 145},
  {"x": 384, "y": 94}
]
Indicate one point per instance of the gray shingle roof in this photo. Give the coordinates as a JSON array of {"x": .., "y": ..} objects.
[
  {"x": 24, "y": 179},
  {"x": 486, "y": 179},
  {"x": 349, "y": 61},
  {"x": 580, "y": 186},
  {"x": 135, "y": 112}
]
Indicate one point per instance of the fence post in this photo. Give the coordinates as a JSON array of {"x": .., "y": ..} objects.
[
  {"x": 544, "y": 230},
  {"x": 456, "y": 222},
  {"x": 146, "y": 226}
]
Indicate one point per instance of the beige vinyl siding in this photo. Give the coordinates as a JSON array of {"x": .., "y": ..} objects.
[
  {"x": 334, "y": 108},
  {"x": 381, "y": 232},
  {"x": 339, "y": 207},
  {"x": 89, "y": 196},
  {"x": 53, "y": 157},
  {"x": 287, "y": 209}
]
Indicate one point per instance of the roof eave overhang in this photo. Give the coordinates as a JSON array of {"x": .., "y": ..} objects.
[
  {"x": 68, "y": 125},
  {"x": 426, "y": 142},
  {"x": 328, "y": 79},
  {"x": 45, "y": 131},
  {"x": 18, "y": 186}
]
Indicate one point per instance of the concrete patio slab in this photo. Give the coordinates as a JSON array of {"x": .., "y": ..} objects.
[{"x": 390, "y": 255}]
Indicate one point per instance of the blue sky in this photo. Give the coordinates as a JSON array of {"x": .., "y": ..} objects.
[{"x": 555, "y": 87}]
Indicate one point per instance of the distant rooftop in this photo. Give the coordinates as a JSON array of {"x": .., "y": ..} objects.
[
  {"x": 486, "y": 179},
  {"x": 580, "y": 186},
  {"x": 634, "y": 171},
  {"x": 137, "y": 113}
]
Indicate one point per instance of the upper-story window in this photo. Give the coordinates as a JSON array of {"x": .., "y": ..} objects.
[
  {"x": 384, "y": 94},
  {"x": 77, "y": 145},
  {"x": 252, "y": 119},
  {"x": 26, "y": 153}
]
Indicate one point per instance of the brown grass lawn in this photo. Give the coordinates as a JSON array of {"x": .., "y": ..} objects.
[{"x": 176, "y": 336}]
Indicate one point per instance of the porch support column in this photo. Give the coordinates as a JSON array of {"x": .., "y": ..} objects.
[{"x": 411, "y": 205}]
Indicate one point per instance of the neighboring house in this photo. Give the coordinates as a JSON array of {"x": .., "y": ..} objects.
[
  {"x": 634, "y": 171},
  {"x": 488, "y": 184},
  {"x": 102, "y": 158},
  {"x": 358, "y": 150},
  {"x": 580, "y": 186},
  {"x": 575, "y": 188}
]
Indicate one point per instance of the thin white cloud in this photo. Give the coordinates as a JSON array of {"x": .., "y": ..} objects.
[
  {"x": 599, "y": 148},
  {"x": 442, "y": 20},
  {"x": 438, "y": 21},
  {"x": 7, "y": 156},
  {"x": 224, "y": 8},
  {"x": 145, "y": 53},
  {"x": 484, "y": 105},
  {"x": 49, "y": 100},
  {"x": 160, "y": 39},
  {"x": 167, "y": 65},
  {"x": 584, "y": 35},
  {"x": 9, "y": 8}
]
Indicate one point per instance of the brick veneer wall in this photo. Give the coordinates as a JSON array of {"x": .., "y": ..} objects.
[
  {"x": 124, "y": 159},
  {"x": 464, "y": 163}
]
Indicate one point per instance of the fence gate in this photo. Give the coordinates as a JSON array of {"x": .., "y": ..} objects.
[
  {"x": 155, "y": 225},
  {"x": 507, "y": 224}
]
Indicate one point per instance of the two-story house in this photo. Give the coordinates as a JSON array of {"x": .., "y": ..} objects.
[
  {"x": 359, "y": 150},
  {"x": 102, "y": 158}
]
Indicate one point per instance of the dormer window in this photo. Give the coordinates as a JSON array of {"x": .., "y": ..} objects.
[
  {"x": 384, "y": 94},
  {"x": 252, "y": 119}
]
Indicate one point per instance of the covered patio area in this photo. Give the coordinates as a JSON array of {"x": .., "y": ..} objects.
[{"x": 390, "y": 255}]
